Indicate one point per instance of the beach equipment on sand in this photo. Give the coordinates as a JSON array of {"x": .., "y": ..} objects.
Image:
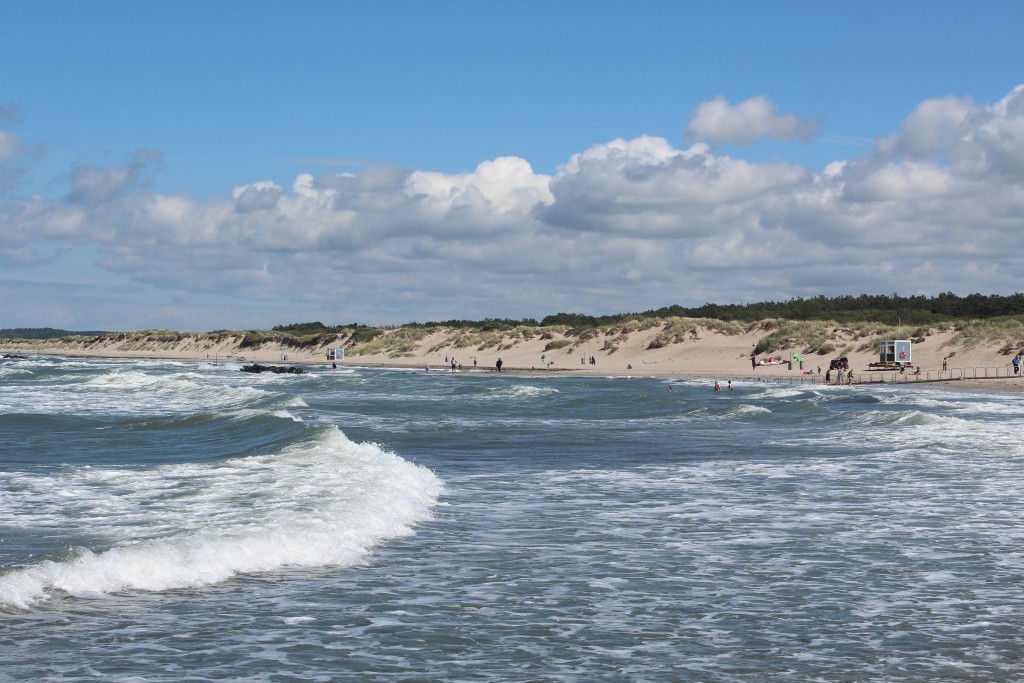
[{"x": 893, "y": 354}]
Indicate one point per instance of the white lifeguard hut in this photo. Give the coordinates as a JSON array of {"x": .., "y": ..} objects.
[
  {"x": 893, "y": 353},
  {"x": 336, "y": 354}
]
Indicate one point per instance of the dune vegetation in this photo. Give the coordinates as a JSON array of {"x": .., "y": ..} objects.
[{"x": 819, "y": 326}]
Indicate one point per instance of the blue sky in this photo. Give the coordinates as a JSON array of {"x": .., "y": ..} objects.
[{"x": 208, "y": 165}]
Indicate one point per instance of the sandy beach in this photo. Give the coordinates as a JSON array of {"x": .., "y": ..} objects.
[{"x": 706, "y": 353}]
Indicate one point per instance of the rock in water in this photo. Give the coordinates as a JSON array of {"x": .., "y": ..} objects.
[{"x": 276, "y": 369}]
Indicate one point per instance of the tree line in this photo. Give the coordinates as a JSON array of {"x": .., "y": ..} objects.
[
  {"x": 911, "y": 310},
  {"x": 892, "y": 309},
  {"x": 43, "y": 333},
  {"x": 882, "y": 308}
]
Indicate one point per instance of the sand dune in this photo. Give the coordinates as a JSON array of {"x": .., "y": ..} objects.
[{"x": 705, "y": 352}]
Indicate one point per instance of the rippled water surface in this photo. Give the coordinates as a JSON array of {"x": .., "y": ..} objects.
[{"x": 165, "y": 521}]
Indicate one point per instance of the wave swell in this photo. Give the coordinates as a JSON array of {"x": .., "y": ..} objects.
[{"x": 325, "y": 502}]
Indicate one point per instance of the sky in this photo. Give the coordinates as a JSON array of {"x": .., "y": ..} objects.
[{"x": 201, "y": 165}]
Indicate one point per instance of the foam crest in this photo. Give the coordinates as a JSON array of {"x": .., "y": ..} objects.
[
  {"x": 138, "y": 393},
  {"x": 521, "y": 391},
  {"x": 748, "y": 410},
  {"x": 8, "y": 370},
  {"x": 326, "y": 502},
  {"x": 781, "y": 391}
]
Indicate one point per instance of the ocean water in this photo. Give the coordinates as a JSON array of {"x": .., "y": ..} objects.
[{"x": 166, "y": 521}]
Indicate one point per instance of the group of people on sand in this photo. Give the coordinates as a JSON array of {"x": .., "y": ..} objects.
[
  {"x": 456, "y": 365},
  {"x": 842, "y": 376}
]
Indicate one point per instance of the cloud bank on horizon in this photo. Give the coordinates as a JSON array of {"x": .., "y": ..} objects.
[
  {"x": 233, "y": 172},
  {"x": 625, "y": 225}
]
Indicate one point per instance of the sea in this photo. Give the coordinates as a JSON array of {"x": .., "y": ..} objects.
[{"x": 185, "y": 521}]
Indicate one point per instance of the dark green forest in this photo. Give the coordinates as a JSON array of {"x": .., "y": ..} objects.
[
  {"x": 890, "y": 309},
  {"x": 893, "y": 309}
]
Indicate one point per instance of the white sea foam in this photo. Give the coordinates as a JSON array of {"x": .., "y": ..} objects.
[
  {"x": 133, "y": 393},
  {"x": 516, "y": 391},
  {"x": 8, "y": 370},
  {"x": 322, "y": 503},
  {"x": 296, "y": 621},
  {"x": 747, "y": 410}
]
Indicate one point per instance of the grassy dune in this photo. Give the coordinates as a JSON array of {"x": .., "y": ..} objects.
[{"x": 822, "y": 338}]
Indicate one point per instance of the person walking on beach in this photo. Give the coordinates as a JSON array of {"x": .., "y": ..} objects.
[
  {"x": 944, "y": 361},
  {"x": 498, "y": 365},
  {"x": 1016, "y": 364}
]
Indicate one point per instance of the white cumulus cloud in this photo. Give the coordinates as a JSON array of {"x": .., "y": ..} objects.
[
  {"x": 720, "y": 122},
  {"x": 973, "y": 139},
  {"x": 627, "y": 224}
]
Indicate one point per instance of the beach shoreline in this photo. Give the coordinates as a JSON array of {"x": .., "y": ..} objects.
[{"x": 706, "y": 355}]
